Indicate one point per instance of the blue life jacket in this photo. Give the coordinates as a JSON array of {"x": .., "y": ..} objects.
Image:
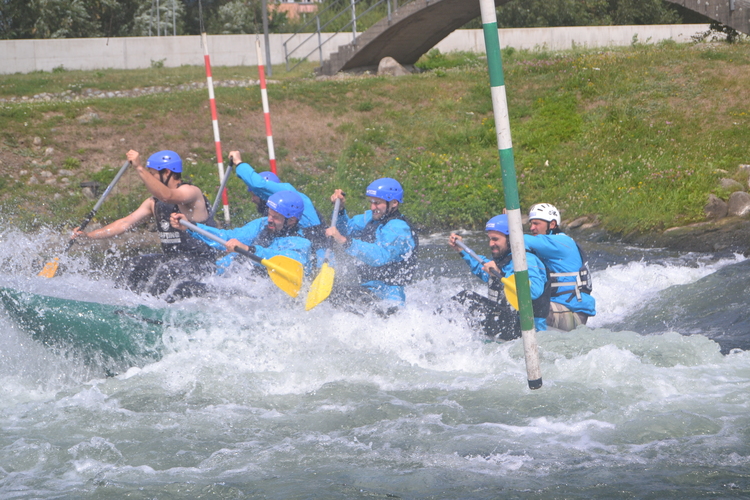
[
  {"x": 571, "y": 279},
  {"x": 385, "y": 249}
]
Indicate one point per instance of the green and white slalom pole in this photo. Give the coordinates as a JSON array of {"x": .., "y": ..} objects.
[{"x": 510, "y": 191}]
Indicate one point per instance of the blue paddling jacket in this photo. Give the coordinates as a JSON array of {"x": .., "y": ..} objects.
[
  {"x": 537, "y": 278},
  {"x": 266, "y": 244},
  {"x": 386, "y": 252},
  {"x": 561, "y": 254},
  {"x": 311, "y": 222}
]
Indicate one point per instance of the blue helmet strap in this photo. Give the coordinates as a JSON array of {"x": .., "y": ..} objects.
[
  {"x": 390, "y": 209},
  {"x": 169, "y": 177}
]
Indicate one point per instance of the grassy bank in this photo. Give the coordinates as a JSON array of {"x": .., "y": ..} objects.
[{"x": 637, "y": 137}]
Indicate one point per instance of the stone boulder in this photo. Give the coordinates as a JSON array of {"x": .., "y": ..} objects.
[
  {"x": 716, "y": 208},
  {"x": 390, "y": 67},
  {"x": 730, "y": 184},
  {"x": 738, "y": 204}
]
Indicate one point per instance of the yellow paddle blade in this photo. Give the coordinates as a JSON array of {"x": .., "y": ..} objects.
[
  {"x": 509, "y": 286},
  {"x": 286, "y": 273},
  {"x": 321, "y": 286},
  {"x": 50, "y": 268}
]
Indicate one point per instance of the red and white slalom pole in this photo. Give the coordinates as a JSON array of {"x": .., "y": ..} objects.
[
  {"x": 215, "y": 122},
  {"x": 266, "y": 113}
]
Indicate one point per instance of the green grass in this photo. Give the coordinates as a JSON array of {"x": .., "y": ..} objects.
[
  {"x": 637, "y": 137},
  {"x": 56, "y": 81}
]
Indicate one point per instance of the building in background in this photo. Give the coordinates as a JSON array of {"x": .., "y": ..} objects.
[{"x": 294, "y": 8}]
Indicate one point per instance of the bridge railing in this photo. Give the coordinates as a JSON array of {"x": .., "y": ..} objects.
[{"x": 298, "y": 42}]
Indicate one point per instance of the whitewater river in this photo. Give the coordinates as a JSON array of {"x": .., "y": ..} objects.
[{"x": 265, "y": 400}]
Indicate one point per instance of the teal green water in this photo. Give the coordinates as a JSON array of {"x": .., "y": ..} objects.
[{"x": 261, "y": 399}]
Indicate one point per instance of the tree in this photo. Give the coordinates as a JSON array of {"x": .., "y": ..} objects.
[
  {"x": 200, "y": 13},
  {"x": 245, "y": 16},
  {"x": 62, "y": 19},
  {"x": 162, "y": 17},
  {"x": 65, "y": 18},
  {"x": 625, "y": 12},
  {"x": 16, "y": 19},
  {"x": 539, "y": 13}
]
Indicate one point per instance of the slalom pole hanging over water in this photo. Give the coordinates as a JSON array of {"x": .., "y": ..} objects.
[
  {"x": 510, "y": 191},
  {"x": 266, "y": 112},
  {"x": 215, "y": 122}
]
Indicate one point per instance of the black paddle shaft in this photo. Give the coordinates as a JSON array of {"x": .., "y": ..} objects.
[
  {"x": 103, "y": 197},
  {"x": 473, "y": 254},
  {"x": 222, "y": 187},
  {"x": 248, "y": 254},
  {"x": 215, "y": 238},
  {"x": 84, "y": 223}
]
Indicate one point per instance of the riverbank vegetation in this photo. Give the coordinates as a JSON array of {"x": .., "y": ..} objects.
[{"x": 636, "y": 137}]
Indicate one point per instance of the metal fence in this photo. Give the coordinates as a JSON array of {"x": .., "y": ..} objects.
[{"x": 352, "y": 12}]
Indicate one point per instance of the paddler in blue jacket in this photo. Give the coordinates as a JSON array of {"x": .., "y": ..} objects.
[
  {"x": 381, "y": 241},
  {"x": 277, "y": 234},
  {"x": 262, "y": 185},
  {"x": 500, "y": 320},
  {"x": 571, "y": 302}
]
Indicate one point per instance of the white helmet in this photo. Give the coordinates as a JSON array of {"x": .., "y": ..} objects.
[{"x": 545, "y": 212}]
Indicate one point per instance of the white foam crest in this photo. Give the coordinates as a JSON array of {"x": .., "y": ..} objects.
[
  {"x": 623, "y": 288},
  {"x": 545, "y": 425},
  {"x": 498, "y": 462},
  {"x": 293, "y": 351},
  {"x": 603, "y": 366},
  {"x": 91, "y": 398}
]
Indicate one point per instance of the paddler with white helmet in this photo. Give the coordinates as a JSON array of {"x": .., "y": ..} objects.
[{"x": 571, "y": 302}]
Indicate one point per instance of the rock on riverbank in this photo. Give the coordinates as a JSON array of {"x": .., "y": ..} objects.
[{"x": 728, "y": 234}]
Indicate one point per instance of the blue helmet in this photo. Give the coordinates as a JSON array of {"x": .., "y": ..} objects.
[
  {"x": 498, "y": 223},
  {"x": 386, "y": 189},
  {"x": 287, "y": 203},
  {"x": 165, "y": 159},
  {"x": 268, "y": 177}
]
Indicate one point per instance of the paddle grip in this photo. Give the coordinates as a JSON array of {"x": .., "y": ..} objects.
[
  {"x": 84, "y": 223},
  {"x": 86, "y": 220}
]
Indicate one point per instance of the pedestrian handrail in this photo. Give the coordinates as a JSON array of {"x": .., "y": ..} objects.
[{"x": 290, "y": 51}]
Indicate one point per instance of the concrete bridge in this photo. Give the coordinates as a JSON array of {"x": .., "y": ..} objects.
[
  {"x": 419, "y": 25},
  {"x": 732, "y": 13}
]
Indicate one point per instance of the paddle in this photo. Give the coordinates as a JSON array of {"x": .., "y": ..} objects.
[
  {"x": 509, "y": 284},
  {"x": 50, "y": 268},
  {"x": 323, "y": 283},
  {"x": 285, "y": 272},
  {"x": 221, "y": 188}
]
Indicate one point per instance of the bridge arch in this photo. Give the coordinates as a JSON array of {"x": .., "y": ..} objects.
[{"x": 419, "y": 25}]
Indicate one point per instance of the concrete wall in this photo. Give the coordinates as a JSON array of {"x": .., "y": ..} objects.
[
  {"x": 24, "y": 56},
  {"x": 567, "y": 38}
]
